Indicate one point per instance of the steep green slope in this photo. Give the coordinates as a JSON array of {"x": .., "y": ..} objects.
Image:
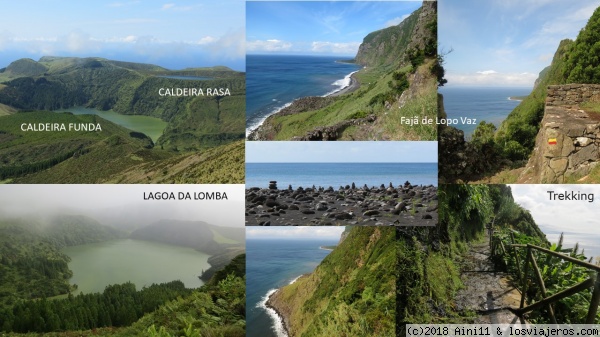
[
  {"x": 398, "y": 80},
  {"x": 195, "y": 234},
  {"x": 71, "y": 230},
  {"x": 69, "y": 156},
  {"x": 351, "y": 293},
  {"x": 430, "y": 259},
  {"x": 387, "y": 47},
  {"x": 31, "y": 265},
  {"x": 519, "y": 129},
  {"x": 221, "y": 165}
]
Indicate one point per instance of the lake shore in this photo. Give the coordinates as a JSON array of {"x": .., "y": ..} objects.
[{"x": 405, "y": 205}]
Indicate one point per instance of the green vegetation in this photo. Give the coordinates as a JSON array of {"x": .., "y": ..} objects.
[
  {"x": 429, "y": 258},
  {"x": 574, "y": 62},
  {"x": 516, "y": 135},
  {"x": 118, "y": 305},
  {"x": 115, "y": 154},
  {"x": 398, "y": 80},
  {"x": 33, "y": 272},
  {"x": 557, "y": 274},
  {"x": 31, "y": 265},
  {"x": 216, "y": 309},
  {"x": 221, "y": 165},
  {"x": 583, "y": 65},
  {"x": 352, "y": 291},
  {"x": 189, "y": 124},
  {"x": 195, "y": 234}
]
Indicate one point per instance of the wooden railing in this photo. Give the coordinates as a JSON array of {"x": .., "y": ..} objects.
[{"x": 592, "y": 282}]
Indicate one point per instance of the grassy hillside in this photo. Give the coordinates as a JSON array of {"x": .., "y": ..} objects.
[
  {"x": 351, "y": 293},
  {"x": 194, "y": 123},
  {"x": 31, "y": 266},
  {"x": 221, "y": 165},
  {"x": 519, "y": 129},
  {"x": 398, "y": 80},
  {"x": 113, "y": 155}
]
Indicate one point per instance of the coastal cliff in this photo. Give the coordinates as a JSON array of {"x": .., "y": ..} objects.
[
  {"x": 351, "y": 293},
  {"x": 397, "y": 81},
  {"x": 549, "y": 137}
]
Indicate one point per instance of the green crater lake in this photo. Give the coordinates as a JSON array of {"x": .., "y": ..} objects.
[
  {"x": 97, "y": 265},
  {"x": 150, "y": 126}
]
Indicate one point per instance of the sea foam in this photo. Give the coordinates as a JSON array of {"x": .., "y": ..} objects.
[{"x": 277, "y": 327}]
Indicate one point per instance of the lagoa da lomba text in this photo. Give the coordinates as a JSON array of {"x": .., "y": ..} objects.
[
  {"x": 185, "y": 196},
  {"x": 438, "y": 121}
]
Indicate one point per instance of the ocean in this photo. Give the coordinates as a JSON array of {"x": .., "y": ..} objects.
[
  {"x": 339, "y": 174},
  {"x": 274, "y": 81},
  {"x": 482, "y": 103},
  {"x": 588, "y": 241},
  {"x": 271, "y": 264}
]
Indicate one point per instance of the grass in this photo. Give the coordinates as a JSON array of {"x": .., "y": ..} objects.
[
  {"x": 352, "y": 291},
  {"x": 591, "y": 107},
  {"x": 374, "y": 82}
]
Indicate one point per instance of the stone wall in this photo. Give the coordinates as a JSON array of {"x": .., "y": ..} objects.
[
  {"x": 568, "y": 142},
  {"x": 572, "y": 95}
]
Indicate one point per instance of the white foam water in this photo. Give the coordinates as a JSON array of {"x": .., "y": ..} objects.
[
  {"x": 277, "y": 327},
  {"x": 341, "y": 84},
  {"x": 262, "y": 120}
]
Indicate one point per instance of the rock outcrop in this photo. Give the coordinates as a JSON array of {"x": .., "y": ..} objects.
[{"x": 569, "y": 137}]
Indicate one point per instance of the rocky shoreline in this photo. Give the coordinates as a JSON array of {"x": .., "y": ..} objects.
[
  {"x": 272, "y": 304},
  {"x": 266, "y": 130},
  {"x": 403, "y": 205}
]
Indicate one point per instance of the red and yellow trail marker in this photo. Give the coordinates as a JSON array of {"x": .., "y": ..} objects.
[{"x": 552, "y": 141}]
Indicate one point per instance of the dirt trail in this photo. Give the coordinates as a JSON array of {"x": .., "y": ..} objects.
[{"x": 486, "y": 292}]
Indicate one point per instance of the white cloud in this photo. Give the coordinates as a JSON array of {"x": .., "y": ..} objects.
[
  {"x": 487, "y": 72},
  {"x": 230, "y": 45},
  {"x": 272, "y": 45},
  {"x": 492, "y": 78},
  {"x": 348, "y": 48},
  {"x": 206, "y": 40},
  {"x": 395, "y": 21},
  {"x": 167, "y": 6},
  {"x": 77, "y": 41}
]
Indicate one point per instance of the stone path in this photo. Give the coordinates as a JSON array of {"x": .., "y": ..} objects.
[{"x": 486, "y": 292}]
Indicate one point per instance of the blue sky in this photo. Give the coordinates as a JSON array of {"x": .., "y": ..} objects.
[
  {"x": 505, "y": 42},
  {"x": 171, "y": 33},
  {"x": 295, "y": 232},
  {"x": 341, "y": 152},
  {"x": 318, "y": 27}
]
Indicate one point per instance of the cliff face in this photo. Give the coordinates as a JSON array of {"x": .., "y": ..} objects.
[
  {"x": 389, "y": 46},
  {"x": 351, "y": 293}
]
